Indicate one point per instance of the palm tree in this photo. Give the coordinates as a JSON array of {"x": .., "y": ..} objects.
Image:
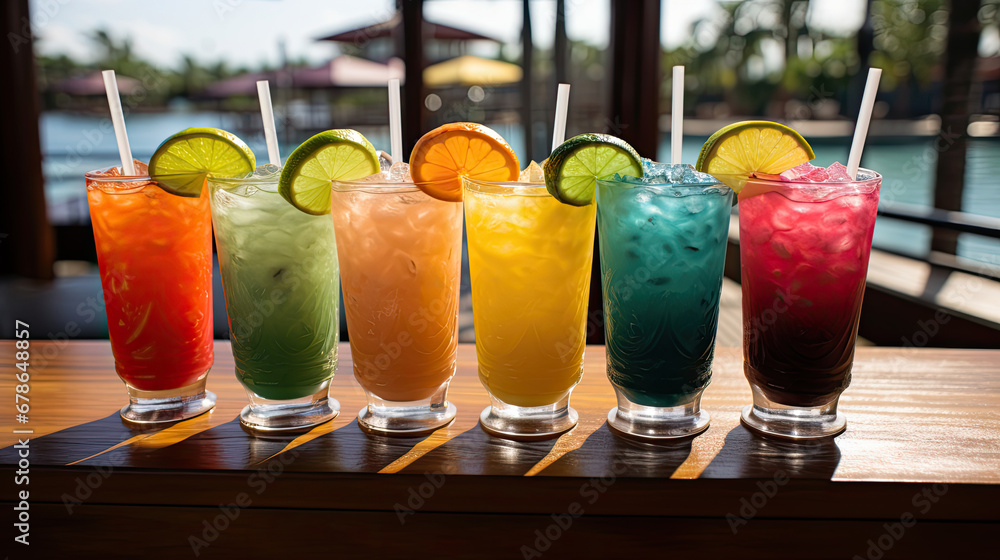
[
  {"x": 740, "y": 37},
  {"x": 909, "y": 40}
]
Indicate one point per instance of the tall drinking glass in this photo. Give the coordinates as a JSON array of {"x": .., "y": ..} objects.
[
  {"x": 529, "y": 260},
  {"x": 663, "y": 248},
  {"x": 400, "y": 259},
  {"x": 154, "y": 251},
  {"x": 280, "y": 279},
  {"x": 804, "y": 249}
]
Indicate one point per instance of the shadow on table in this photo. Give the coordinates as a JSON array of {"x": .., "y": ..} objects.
[
  {"x": 347, "y": 449},
  {"x": 229, "y": 446},
  {"x": 225, "y": 446},
  {"x": 747, "y": 455},
  {"x": 605, "y": 454},
  {"x": 475, "y": 452},
  {"x": 77, "y": 442}
]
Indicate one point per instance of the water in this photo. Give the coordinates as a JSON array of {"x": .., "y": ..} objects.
[{"x": 73, "y": 144}]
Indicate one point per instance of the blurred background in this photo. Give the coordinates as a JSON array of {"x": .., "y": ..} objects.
[{"x": 935, "y": 135}]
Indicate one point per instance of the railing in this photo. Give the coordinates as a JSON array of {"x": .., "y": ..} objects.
[
  {"x": 956, "y": 221},
  {"x": 961, "y": 222}
]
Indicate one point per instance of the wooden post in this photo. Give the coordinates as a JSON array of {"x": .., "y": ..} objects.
[
  {"x": 635, "y": 74},
  {"x": 559, "y": 53},
  {"x": 865, "y": 47},
  {"x": 527, "y": 62},
  {"x": 413, "y": 56},
  {"x": 635, "y": 107},
  {"x": 27, "y": 245},
  {"x": 958, "y": 64},
  {"x": 561, "y": 43}
]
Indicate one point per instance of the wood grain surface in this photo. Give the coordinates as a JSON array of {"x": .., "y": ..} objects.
[{"x": 923, "y": 438}]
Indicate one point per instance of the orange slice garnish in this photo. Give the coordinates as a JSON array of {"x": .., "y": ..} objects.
[{"x": 455, "y": 150}]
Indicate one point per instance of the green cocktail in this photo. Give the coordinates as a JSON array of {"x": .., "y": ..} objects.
[{"x": 281, "y": 283}]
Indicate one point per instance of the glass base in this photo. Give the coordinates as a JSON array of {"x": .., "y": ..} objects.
[
  {"x": 409, "y": 418},
  {"x": 528, "y": 423},
  {"x": 653, "y": 423},
  {"x": 773, "y": 419},
  {"x": 289, "y": 416},
  {"x": 405, "y": 421},
  {"x": 171, "y": 405}
]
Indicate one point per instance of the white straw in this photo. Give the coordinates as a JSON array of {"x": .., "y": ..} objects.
[
  {"x": 118, "y": 120},
  {"x": 395, "y": 128},
  {"x": 677, "y": 116},
  {"x": 267, "y": 114},
  {"x": 562, "y": 107},
  {"x": 864, "y": 118}
]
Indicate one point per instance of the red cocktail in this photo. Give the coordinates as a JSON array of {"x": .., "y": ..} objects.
[
  {"x": 804, "y": 249},
  {"x": 154, "y": 252}
]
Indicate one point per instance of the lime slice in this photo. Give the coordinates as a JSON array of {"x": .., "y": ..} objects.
[
  {"x": 572, "y": 170},
  {"x": 752, "y": 148},
  {"x": 182, "y": 161},
  {"x": 334, "y": 155}
]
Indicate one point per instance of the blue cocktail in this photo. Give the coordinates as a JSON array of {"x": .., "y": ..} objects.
[{"x": 663, "y": 246}]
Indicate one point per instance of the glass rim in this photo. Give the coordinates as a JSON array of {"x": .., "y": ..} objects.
[
  {"x": 375, "y": 187},
  {"x": 662, "y": 187},
  {"x": 520, "y": 188},
  {"x": 383, "y": 187},
  {"x": 876, "y": 177},
  {"x": 242, "y": 180},
  {"x": 100, "y": 175}
]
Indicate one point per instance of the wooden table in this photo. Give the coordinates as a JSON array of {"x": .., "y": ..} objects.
[{"x": 917, "y": 473}]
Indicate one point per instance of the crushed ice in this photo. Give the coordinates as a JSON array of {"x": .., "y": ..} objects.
[
  {"x": 532, "y": 174},
  {"x": 809, "y": 173},
  {"x": 656, "y": 173}
]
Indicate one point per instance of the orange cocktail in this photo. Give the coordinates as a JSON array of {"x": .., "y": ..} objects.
[
  {"x": 400, "y": 261},
  {"x": 154, "y": 251}
]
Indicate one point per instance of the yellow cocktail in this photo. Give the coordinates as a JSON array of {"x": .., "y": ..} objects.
[{"x": 529, "y": 260}]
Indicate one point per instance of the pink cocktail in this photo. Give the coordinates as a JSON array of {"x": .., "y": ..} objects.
[{"x": 805, "y": 241}]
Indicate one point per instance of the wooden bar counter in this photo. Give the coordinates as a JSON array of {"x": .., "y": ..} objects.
[{"x": 916, "y": 474}]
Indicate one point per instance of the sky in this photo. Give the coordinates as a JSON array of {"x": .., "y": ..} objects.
[{"x": 247, "y": 32}]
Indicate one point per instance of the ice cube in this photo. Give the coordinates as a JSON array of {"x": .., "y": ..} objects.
[
  {"x": 532, "y": 174},
  {"x": 627, "y": 179},
  {"x": 656, "y": 173},
  {"x": 382, "y": 177},
  {"x": 691, "y": 177},
  {"x": 780, "y": 250},
  {"x": 266, "y": 171},
  {"x": 838, "y": 244},
  {"x": 784, "y": 218},
  {"x": 384, "y": 160},
  {"x": 116, "y": 171},
  {"x": 650, "y": 167},
  {"x": 400, "y": 173},
  {"x": 817, "y": 175},
  {"x": 798, "y": 171},
  {"x": 695, "y": 204},
  {"x": 838, "y": 173}
]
